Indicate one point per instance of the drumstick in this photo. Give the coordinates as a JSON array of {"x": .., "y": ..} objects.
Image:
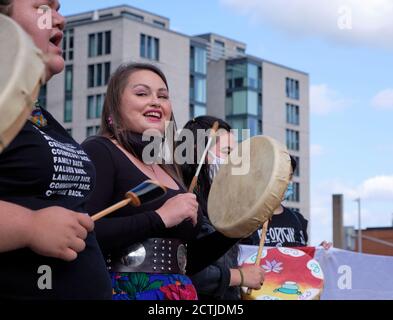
[
  {"x": 260, "y": 248},
  {"x": 143, "y": 193},
  {"x": 202, "y": 161}
]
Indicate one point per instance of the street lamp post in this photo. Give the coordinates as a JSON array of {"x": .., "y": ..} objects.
[{"x": 359, "y": 227}]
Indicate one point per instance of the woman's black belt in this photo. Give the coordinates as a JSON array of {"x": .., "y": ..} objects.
[{"x": 154, "y": 255}]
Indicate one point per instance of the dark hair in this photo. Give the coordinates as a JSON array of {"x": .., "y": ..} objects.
[
  {"x": 293, "y": 164},
  {"x": 6, "y": 7},
  {"x": 188, "y": 170},
  {"x": 112, "y": 123}
]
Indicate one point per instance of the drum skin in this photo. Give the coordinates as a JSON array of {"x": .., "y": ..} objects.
[
  {"x": 290, "y": 274},
  {"x": 246, "y": 191},
  {"x": 22, "y": 72}
]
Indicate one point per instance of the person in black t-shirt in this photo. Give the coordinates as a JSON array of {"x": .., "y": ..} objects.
[
  {"x": 47, "y": 247},
  {"x": 287, "y": 227}
]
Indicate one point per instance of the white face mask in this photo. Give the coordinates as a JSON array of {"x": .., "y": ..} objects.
[{"x": 215, "y": 165}]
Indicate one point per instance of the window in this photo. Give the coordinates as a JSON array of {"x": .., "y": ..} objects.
[
  {"x": 198, "y": 60},
  {"x": 99, "y": 44},
  {"x": 292, "y": 138},
  {"x": 132, "y": 16},
  {"x": 252, "y": 76},
  {"x": 68, "y": 44},
  {"x": 200, "y": 90},
  {"x": 218, "y": 50},
  {"x": 149, "y": 47},
  {"x": 239, "y": 102},
  {"x": 292, "y": 88},
  {"x": 252, "y": 103},
  {"x": 159, "y": 24},
  {"x": 297, "y": 171},
  {"x": 98, "y": 74},
  {"x": 69, "y": 131},
  {"x": 68, "y": 84},
  {"x": 295, "y": 197},
  {"x": 241, "y": 50},
  {"x": 293, "y": 114},
  {"x": 108, "y": 42},
  {"x": 243, "y": 102},
  {"x": 94, "y": 106},
  {"x": 197, "y": 110},
  {"x": 91, "y": 131}
]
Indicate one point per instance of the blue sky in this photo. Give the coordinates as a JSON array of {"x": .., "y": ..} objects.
[{"x": 351, "y": 85}]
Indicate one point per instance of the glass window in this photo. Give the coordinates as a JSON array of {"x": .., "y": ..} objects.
[
  {"x": 143, "y": 46},
  {"x": 200, "y": 60},
  {"x": 108, "y": 42},
  {"x": 239, "y": 102},
  {"x": 149, "y": 47},
  {"x": 253, "y": 126},
  {"x": 99, "y": 103},
  {"x": 156, "y": 49},
  {"x": 199, "y": 110},
  {"x": 292, "y": 137},
  {"x": 71, "y": 35},
  {"x": 252, "y": 102},
  {"x": 200, "y": 90},
  {"x": 99, "y": 43},
  {"x": 159, "y": 24},
  {"x": 252, "y": 72},
  {"x": 107, "y": 72},
  {"x": 92, "y": 45},
  {"x": 99, "y": 75},
  {"x": 292, "y": 88},
  {"x": 90, "y": 131},
  {"x": 90, "y": 107},
  {"x": 68, "y": 111},
  {"x": 90, "y": 76},
  {"x": 68, "y": 79}
]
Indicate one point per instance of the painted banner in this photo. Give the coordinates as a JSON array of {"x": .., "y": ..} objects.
[{"x": 347, "y": 275}]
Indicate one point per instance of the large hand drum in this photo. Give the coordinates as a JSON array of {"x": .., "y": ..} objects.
[
  {"x": 22, "y": 72},
  {"x": 246, "y": 191}
]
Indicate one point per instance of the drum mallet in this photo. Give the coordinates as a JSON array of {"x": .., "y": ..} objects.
[
  {"x": 143, "y": 193},
  {"x": 202, "y": 160},
  {"x": 260, "y": 248}
]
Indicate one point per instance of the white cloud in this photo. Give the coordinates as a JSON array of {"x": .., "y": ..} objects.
[
  {"x": 383, "y": 100},
  {"x": 316, "y": 150},
  {"x": 365, "y": 22},
  {"x": 324, "y": 100},
  {"x": 378, "y": 188},
  {"x": 376, "y": 195}
]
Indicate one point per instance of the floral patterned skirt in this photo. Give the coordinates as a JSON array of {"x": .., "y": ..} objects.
[{"x": 146, "y": 286}]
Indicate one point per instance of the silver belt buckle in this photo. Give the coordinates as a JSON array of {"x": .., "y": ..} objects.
[{"x": 135, "y": 257}]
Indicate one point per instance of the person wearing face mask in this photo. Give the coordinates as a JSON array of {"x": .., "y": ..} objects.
[
  {"x": 287, "y": 228},
  {"x": 222, "y": 279}
]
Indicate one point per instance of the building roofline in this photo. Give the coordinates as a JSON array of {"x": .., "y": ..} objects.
[
  {"x": 277, "y": 64},
  {"x": 71, "y": 24},
  {"x": 115, "y": 7},
  {"x": 377, "y": 228},
  {"x": 221, "y": 36}
]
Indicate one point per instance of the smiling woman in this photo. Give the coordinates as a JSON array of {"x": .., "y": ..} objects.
[{"x": 145, "y": 246}]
